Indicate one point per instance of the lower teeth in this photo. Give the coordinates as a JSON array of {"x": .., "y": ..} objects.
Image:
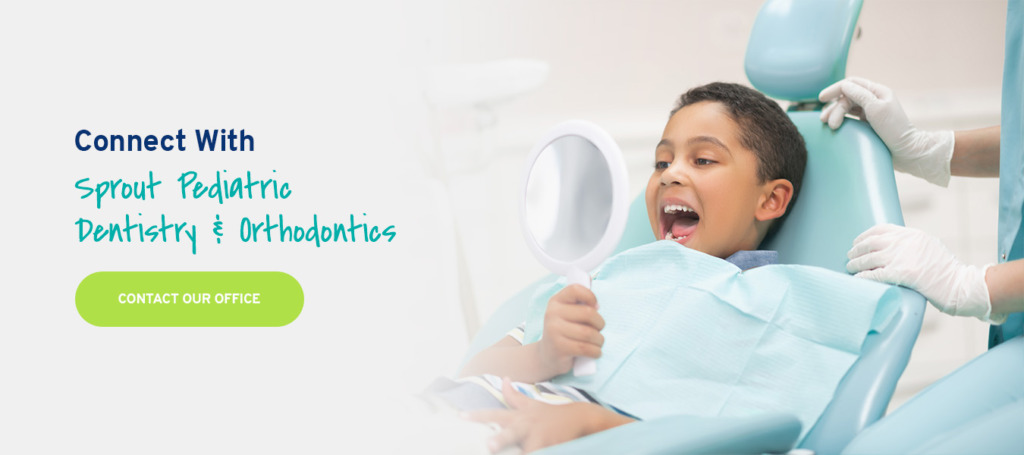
[{"x": 668, "y": 236}]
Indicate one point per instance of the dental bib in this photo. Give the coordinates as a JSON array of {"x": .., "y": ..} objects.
[{"x": 689, "y": 333}]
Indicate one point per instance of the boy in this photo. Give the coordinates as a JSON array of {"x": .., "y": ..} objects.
[{"x": 730, "y": 162}]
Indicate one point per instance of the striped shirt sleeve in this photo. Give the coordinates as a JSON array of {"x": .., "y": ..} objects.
[{"x": 518, "y": 333}]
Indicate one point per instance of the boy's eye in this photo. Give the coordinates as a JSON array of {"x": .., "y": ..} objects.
[
  {"x": 661, "y": 164},
  {"x": 704, "y": 162}
]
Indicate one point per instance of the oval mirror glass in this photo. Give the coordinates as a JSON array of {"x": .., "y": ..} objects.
[{"x": 568, "y": 198}]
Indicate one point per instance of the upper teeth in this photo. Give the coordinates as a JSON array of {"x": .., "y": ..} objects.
[{"x": 677, "y": 208}]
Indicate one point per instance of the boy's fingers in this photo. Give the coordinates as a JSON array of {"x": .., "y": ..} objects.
[
  {"x": 498, "y": 416},
  {"x": 505, "y": 438},
  {"x": 514, "y": 398},
  {"x": 581, "y": 332},
  {"x": 588, "y": 350},
  {"x": 580, "y": 295},
  {"x": 580, "y": 314},
  {"x": 575, "y": 348},
  {"x": 530, "y": 445}
]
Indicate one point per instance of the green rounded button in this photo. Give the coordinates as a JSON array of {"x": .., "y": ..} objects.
[{"x": 189, "y": 299}]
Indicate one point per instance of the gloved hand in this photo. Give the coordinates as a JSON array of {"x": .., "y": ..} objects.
[
  {"x": 912, "y": 258},
  {"x": 925, "y": 154}
]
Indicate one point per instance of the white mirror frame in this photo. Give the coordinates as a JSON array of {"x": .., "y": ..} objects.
[{"x": 620, "y": 200}]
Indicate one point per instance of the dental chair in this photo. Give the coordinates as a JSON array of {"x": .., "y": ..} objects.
[{"x": 797, "y": 48}]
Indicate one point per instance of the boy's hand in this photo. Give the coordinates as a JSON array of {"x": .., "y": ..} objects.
[
  {"x": 533, "y": 425},
  {"x": 572, "y": 327}
]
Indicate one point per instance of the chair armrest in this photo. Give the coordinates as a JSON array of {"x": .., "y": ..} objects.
[
  {"x": 864, "y": 393},
  {"x": 772, "y": 433}
]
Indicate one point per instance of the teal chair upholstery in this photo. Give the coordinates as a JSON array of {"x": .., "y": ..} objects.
[
  {"x": 848, "y": 186},
  {"x": 798, "y": 47}
]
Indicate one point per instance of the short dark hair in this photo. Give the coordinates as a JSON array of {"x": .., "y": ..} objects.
[{"x": 765, "y": 129}]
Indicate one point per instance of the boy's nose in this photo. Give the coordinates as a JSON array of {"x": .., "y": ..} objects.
[{"x": 675, "y": 174}]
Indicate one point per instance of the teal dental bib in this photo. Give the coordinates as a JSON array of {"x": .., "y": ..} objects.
[{"x": 689, "y": 333}]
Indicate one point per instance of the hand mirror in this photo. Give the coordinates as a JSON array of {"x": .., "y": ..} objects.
[{"x": 575, "y": 202}]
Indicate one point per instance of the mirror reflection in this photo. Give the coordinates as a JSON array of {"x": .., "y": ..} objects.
[{"x": 569, "y": 198}]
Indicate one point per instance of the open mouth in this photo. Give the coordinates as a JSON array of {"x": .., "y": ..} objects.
[{"x": 678, "y": 222}]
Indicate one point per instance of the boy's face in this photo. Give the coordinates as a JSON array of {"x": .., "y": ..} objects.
[{"x": 704, "y": 192}]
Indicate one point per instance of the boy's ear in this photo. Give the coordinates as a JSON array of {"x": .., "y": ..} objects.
[{"x": 775, "y": 200}]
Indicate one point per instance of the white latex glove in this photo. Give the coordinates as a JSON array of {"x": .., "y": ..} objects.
[
  {"x": 925, "y": 154},
  {"x": 911, "y": 258}
]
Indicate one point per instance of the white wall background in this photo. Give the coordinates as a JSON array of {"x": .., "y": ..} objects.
[
  {"x": 329, "y": 91},
  {"x": 622, "y": 64}
]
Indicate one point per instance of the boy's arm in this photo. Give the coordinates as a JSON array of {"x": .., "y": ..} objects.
[
  {"x": 508, "y": 358},
  {"x": 533, "y": 425},
  {"x": 572, "y": 327}
]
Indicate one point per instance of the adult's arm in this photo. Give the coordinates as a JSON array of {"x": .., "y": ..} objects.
[
  {"x": 1006, "y": 287},
  {"x": 976, "y": 153}
]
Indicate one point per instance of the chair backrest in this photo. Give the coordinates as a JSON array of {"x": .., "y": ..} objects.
[
  {"x": 848, "y": 187},
  {"x": 796, "y": 49}
]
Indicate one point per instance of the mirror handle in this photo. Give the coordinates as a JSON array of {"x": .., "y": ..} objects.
[
  {"x": 581, "y": 366},
  {"x": 584, "y": 366},
  {"x": 577, "y": 276}
]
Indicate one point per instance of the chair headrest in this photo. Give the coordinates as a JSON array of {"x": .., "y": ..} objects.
[{"x": 799, "y": 47}]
